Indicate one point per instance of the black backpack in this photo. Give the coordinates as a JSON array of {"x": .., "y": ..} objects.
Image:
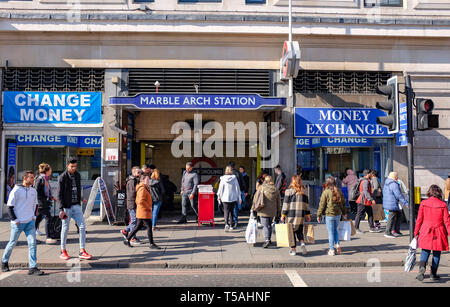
[{"x": 354, "y": 192}]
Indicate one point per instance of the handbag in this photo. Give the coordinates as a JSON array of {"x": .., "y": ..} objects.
[{"x": 308, "y": 233}]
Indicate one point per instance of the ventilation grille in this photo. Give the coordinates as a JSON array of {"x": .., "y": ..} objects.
[
  {"x": 207, "y": 80},
  {"x": 339, "y": 82},
  {"x": 54, "y": 79}
]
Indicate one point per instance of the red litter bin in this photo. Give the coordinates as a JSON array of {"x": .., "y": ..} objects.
[{"x": 205, "y": 205}]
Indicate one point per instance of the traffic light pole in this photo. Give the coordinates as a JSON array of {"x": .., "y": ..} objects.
[{"x": 410, "y": 134}]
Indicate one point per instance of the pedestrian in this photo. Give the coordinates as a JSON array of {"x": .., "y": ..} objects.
[
  {"x": 244, "y": 193},
  {"x": 157, "y": 192},
  {"x": 22, "y": 202},
  {"x": 432, "y": 229},
  {"x": 332, "y": 205},
  {"x": 45, "y": 199},
  {"x": 131, "y": 183},
  {"x": 267, "y": 206},
  {"x": 337, "y": 177},
  {"x": 259, "y": 183},
  {"x": 229, "y": 194},
  {"x": 392, "y": 196},
  {"x": 189, "y": 183},
  {"x": 365, "y": 202},
  {"x": 295, "y": 210},
  {"x": 280, "y": 181},
  {"x": 350, "y": 181},
  {"x": 376, "y": 193},
  {"x": 241, "y": 183},
  {"x": 143, "y": 211},
  {"x": 69, "y": 193},
  {"x": 147, "y": 169}
]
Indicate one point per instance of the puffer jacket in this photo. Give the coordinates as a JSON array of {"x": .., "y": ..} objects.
[
  {"x": 143, "y": 202},
  {"x": 271, "y": 199},
  {"x": 392, "y": 195}
]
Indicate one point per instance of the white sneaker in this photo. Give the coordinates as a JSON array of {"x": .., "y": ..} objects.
[
  {"x": 227, "y": 228},
  {"x": 260, "y": 225},
  {"x": 38, "y": 233},
  {"x": 331, "y": 252},
  {"x": 231, "y": 228},
  {"x": 338, "y": 249},
  {"x": 303, "y": 249},
  {"x": 292, "y": 253}
]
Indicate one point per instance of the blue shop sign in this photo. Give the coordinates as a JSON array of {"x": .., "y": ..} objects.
[
  {"x": 59, "y": 140},
  {"x": 52, "y": 108},
  {"x": 200, "y": 101},
  {"x": 401, "y": 137},
  {"x": 339, "y": 122},
  {"x": 332, "y": 142}
]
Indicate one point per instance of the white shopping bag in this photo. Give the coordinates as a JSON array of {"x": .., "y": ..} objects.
[
  {"x": 251, "y": 231},
  {"x": 345, "y": 230}
]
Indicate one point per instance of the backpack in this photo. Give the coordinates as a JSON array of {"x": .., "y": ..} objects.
[{"x": 354, "y": 192}]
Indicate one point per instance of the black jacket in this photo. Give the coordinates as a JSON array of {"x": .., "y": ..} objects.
[
  {"x": 157, "y": 190},
  {"x": 131, "y": 184},
  {"x": 65, "y": 189},
  {"x": 43, "y": 201},
  {"x": 240, "y": 179},
  {"x": 246, "y": 180}
]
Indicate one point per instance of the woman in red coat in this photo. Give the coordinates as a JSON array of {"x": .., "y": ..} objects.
[{"x": 432, "y": 229}]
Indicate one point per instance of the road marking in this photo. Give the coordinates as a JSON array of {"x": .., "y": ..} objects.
[
  {"x": 296, "y": 280},
  {"x": 7, "y": 274}
]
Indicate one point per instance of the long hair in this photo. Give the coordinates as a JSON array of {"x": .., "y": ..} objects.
[
  {"x": 268, "y": 179},
  {"x": 337, "y": 197},
  {"x": 435, "y": 191},
  {"x": 296, "y": 184}
]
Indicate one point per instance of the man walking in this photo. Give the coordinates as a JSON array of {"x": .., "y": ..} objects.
[
  {"x": 22, "y": 202},
  {"x": 70, "y": 207},
  {"x": 189, "y": 183},
  {"x": 280, "y": 181},
  {"x": 131, "y": 183},
  {"x": 365, "y": 202},
  {"x": 246, "y": 186}
]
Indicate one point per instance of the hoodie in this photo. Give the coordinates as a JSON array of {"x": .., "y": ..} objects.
[
  {"x": 351, "y": 180},
  {"x": 22, "y": 202},
  {"x": 229, "y": 190}
]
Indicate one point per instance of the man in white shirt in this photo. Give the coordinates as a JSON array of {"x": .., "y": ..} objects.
[{"x": 22, "y": 203}]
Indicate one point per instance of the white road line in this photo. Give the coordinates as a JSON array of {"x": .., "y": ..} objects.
[
  {"x": 296, "y": 280},
  {"x": 7, "y": 274}
]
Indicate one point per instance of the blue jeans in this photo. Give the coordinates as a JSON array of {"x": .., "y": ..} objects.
[
  {"x": 30, "y": 231},
  {"x": 425, "y": 254},
  {"x": 133, "y": 220},
  {"x": 332, "y": 227},
  {"x": 155, "y": 211},
  {"x": 75, "y": 213},
  {"x": 184, "y": 205},
  {"x": 238, "y": 208}
]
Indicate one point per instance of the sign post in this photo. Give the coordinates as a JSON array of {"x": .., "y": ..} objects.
[{"x": 410, "y": 133}]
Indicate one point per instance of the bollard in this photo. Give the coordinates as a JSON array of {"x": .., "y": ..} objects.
[{"x": 417, "y": 197}]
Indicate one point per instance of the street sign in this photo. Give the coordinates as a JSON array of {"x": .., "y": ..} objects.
[{"x": 402, "y": 139}]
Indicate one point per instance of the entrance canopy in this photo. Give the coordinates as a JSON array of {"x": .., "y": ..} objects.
[{"x": 156, "y": 101}]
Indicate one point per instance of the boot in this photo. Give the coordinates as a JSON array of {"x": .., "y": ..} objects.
[
  {"x": 422, "y": 270},
  {"x": 434, "y": 275}
]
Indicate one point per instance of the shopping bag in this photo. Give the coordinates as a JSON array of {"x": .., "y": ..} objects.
[
  {"x": 285, "y": 235},
  {"x": 410, "y": 260},
  {"x": 345, "y": 230},
  {"x": 251, "y": 231},
  {"x": 308, "y": 233},
  {"x": 378, "y": 212},
  {"x": 353, "y": 227}
]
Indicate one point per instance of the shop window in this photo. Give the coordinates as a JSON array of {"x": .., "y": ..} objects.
[
  {"x": 372, "y": 3},
  {"x": 255, "y": 1}
]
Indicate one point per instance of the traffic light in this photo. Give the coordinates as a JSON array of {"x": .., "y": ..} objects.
[
  {"x": 391, "y": 121},
  {"x": 425, "y": 118}
]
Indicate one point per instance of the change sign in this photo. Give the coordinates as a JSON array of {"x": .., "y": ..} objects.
[{"x": 52, "y": 108}]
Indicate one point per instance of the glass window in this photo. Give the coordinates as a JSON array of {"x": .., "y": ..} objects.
[
  {"x": 195, "y": 1},
  {"x": 371, "y": 3}
]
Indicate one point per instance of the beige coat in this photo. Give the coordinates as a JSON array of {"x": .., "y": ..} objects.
[{"x": 269, "y": 196}]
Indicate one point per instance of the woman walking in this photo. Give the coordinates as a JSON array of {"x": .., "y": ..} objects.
[
  {"x": 332, "y": 205},
  {"x": 143, "y": 211},
  {"x": 229, "y": 194},
  {"x": 267, "y": 205},
  {"x": 44, "y": 195},
  {"x": 295, "y": 210},
  {"x": 350, "y": 181},
  {"x": 432, "y": 229},
  {"x": 157, "y": 192}
]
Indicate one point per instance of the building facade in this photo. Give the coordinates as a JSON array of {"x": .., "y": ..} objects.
[{"x": 120, "y": 48}]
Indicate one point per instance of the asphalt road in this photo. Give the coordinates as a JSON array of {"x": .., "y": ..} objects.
[{"x": 320, "y": 277}]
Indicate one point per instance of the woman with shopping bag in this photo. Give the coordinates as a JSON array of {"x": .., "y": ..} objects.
[
  {"x": 267, "y": 205},
  {"x": 432, "y": 229},
  {"x": 295, "y": 211},
  {"x": 332, "y": 205}
]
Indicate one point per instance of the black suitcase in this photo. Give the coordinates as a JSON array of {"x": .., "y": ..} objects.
[{"x": 54, "y": 225}]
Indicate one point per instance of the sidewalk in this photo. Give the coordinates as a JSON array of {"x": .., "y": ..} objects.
[{"x": 188, "y": 246}]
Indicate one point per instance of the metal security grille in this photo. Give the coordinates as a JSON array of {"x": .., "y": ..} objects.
[
  {"x": 54, "y": 79},
  {"x": 339, "y": 82},
  {"x": 206, "y": 80}
]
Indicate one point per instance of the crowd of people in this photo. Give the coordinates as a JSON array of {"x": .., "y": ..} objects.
[{"x": 273, "y": 201}]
